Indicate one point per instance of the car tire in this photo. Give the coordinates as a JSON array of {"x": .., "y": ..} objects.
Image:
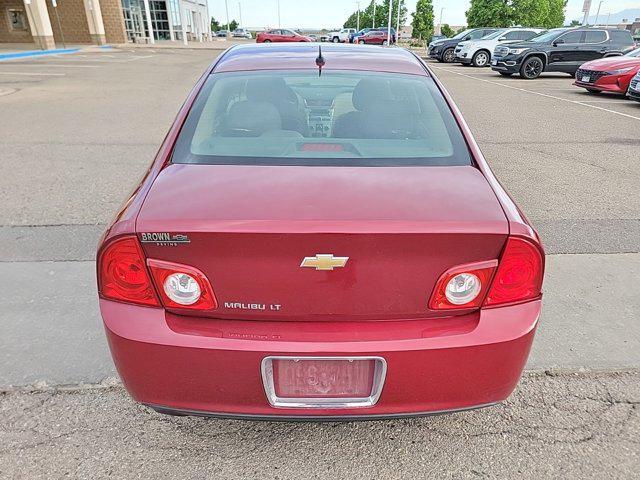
[
  {"x": 384, "y": 43},
  {"x": 506, "y": 74},
  {"x": 335, "y": 40},
  {"x": 448, "y": 56},
  {"x": 361, "y": 42},
  {"x": 481, "y": 58},
  {"x": 532, "y": 68},
  {"x": 267, "y": 41}
]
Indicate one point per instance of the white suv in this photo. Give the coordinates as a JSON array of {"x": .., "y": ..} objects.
[
  {"x": 340, "y": 37},
  {"x": 478, "y": 52}
]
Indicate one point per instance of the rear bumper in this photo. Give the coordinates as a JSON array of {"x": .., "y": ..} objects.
[{"x": 212, "y": 367}]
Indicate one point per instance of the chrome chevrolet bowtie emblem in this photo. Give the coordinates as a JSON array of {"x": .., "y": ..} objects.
[{"x": 324, "y": 261}]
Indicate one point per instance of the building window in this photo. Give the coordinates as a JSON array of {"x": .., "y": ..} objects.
[{"x": 17, "y": 19}]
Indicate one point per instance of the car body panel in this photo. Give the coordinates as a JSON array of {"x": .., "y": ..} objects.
[{"x": 437, "y": 48}]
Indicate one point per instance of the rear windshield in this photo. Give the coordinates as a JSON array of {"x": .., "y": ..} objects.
[{"x": 337, "y": 118}]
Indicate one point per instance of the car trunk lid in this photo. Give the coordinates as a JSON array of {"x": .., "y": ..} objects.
[{"x": 249, "y": 228}]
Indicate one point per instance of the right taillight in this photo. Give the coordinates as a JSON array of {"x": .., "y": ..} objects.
[{"x": 519, "y": 274}]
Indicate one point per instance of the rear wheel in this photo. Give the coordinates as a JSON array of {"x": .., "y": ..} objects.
[
  {"x": 531, "y": 68},
  {"x": 335, "y": 40},
  {"x": 481, "y": 59},
  {"x": 267, "y": 41},
  {"x": 506, "y": 74},
  {"x": 448, "y": 56},
  {"x": 385, "y": 43},
  {"x": 361, "y": 42}
]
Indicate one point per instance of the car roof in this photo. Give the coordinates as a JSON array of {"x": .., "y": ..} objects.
[{"x": 295, "y": 56}]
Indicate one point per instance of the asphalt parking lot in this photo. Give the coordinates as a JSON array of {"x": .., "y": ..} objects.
[{"x": 78, "y": 131}]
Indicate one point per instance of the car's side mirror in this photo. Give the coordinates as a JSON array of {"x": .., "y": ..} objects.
[
  {"x": 558, "y": 42},
  {"x": 502, "y": 39}
]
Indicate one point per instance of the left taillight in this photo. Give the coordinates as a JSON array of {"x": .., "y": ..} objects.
[{"x": 123, "y": 275}]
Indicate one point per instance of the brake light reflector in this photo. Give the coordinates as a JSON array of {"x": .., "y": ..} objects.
[
  {"x": 122, "y": 274},
  {"x": 519, "y": 275},
  {"x": 182, "y": 286},
  {"x": 464, "y": 286}
]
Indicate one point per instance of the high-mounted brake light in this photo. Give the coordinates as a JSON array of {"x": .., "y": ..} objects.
[
  {"x": 122, "y": 274},
  {"x": 182, "y": 286},
  {"x": 519, "y": 275}
]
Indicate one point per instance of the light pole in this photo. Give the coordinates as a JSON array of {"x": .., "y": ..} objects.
[
  {"x": 358, "y": 22},
  {"x": 597, "y": 13},
  {"x": 398, "y": 22},
  {"x": 440, "y": 24},
  {"x": 279, "y": 23},
  {"x": 374, "y": 15},
  {"x": 226, "y": 6},
  {"x": 608, "y": 18},
  {"x": 389, "y": 23},
  {"x": 240, "y": 13}
]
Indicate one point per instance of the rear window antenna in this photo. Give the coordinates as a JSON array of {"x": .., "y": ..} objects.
[{"x": 320, "y": 60}]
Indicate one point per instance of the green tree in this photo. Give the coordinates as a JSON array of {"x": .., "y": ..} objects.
[
  {"x": 556, "y": 14},
  {"x": 382, "y": 15},
  {"x": 447, "y": 31},
  {"x": 575, "y": 23},
  {"x": 530, "y": 13},
  {"x": 489, "y": 13},
  {"x": 215, "y": 26},
  {"x": 233, "y": 25},
  {"x": 423, "y": 19}
]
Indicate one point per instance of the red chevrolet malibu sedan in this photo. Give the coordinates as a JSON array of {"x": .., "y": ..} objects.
[
  {"x": 319, "y": 237},
  {"x": 611, "y": 74}
]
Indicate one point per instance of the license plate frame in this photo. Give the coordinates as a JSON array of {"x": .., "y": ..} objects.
[
  {"x": 379, "y": 377},
  {"x": 586, "y": 78},
  {"x": 494, "y": 62}
]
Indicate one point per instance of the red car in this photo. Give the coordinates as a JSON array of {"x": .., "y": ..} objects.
[
  {"x": 611, "y": 74},
  {"x": 281, "y": 35},
  {"x": 374, "y": 37},
  {"x": 269, "y": 267}
]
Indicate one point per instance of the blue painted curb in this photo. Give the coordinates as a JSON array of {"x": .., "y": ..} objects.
[{"x": 37, "y": 53}]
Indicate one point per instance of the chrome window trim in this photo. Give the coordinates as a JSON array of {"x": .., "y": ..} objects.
[{"x": 379, "y": 376}]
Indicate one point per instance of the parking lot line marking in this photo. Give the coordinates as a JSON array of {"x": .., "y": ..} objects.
[
  {"x": 34, "y": 74},
  {"x": 575, "y": 102},
  {"x": 46, "y": 65}
]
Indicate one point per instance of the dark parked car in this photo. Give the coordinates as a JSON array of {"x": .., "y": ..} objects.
[
  {"x": 560, "y": 50},
  {"x": 444, "y": 50},
  {"x": 634, "y": 88}
]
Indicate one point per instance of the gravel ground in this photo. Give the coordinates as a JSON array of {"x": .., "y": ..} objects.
[{"x": 556, "y": 425}]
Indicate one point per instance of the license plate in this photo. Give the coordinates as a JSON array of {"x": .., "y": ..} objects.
[
  {"x": 323, "y": 382},
  {"x": 494, "y": 62},
  {"x": 586, "y": 79}
]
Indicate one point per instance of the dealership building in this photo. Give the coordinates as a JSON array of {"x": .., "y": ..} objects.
[{"x": 49, "y": 24}]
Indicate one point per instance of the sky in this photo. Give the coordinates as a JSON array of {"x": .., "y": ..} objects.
[{"x": 333, "y": 13}]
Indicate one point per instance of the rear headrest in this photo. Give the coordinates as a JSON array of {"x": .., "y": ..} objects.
[
  {"x": 269, "y": 89},
  {"x": 368, "y": 91},
  {"x": 251, "y": 119}
]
